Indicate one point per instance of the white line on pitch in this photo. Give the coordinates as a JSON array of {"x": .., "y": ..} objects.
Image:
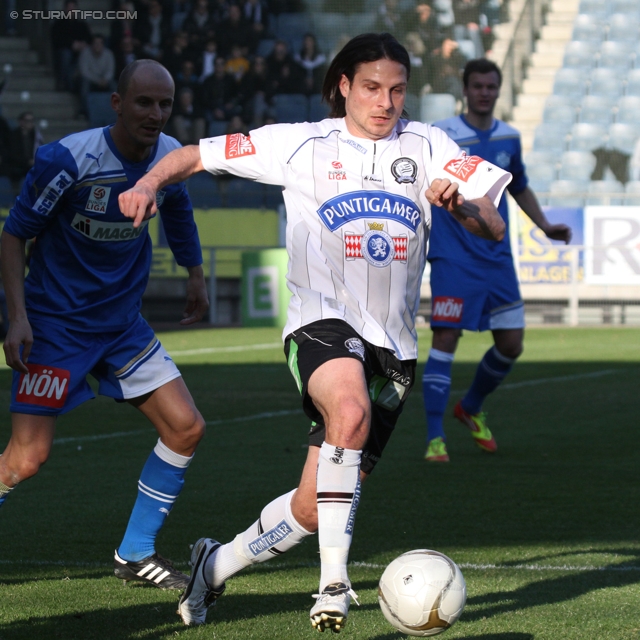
[
  {"x": 240, "y": 347},
  {"x": 210, "y": 423}
]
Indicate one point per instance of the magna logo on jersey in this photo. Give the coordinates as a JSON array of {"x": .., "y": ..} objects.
[
  {"x": 52, "y": 192},
  {"x": 447, "y": 309},
  {"x": 354, "y": 205},
  {"x": 106, "y": 231},
  {"x": 98, "y": 199},
  {"x": 44, "y": 386},
  {"x": 464, "y": 167},
  {"x": 238, "y": 145}
]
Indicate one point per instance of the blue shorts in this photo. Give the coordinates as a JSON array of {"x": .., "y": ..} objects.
[
  {"x": 474, "y": 297},
  {"x": 126, "y": 364}
]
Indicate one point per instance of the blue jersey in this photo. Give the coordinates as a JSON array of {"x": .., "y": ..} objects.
[
  {"x": 500, "y": 145},
  {"x": 89, "y": 267}
]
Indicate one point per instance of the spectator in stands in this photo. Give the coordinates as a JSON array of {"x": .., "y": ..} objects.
[
  {"x": 252, "y": 93},
  {"x": 68, "y": 38},
  {"x": 237, "y": 125},
  {"x": 199, "y": 25},
  {"x": 187, "y": 77},
  {"x": 126, "y": 52},
  {"x": 177, "y": 52},
  {"x": 416, "y": 49},
  {"x": 237, "y": 64},
  {"x": 423, "y": 20},
  {"x": 390, "y": 17},
  {"x": 97, "y": 67},
  {"x": 284, "y": 75},
  {"x": 123, "y": 28},
  {"x": 446, "y": 65},
  {"x": 153, "y": 30},
  {"x": 187, "y": 123},
  {"x": 5, "y": 134},
  {"x": 219, "y": 94},
  {"x": 467, "y": 26},
  {"x": 235, "y": 31},
  {"x": 208, "y": 59},
  {"x": 255, "y": 14},
  {"x": 618, "y": 163},
  {"x": 313, "y": 62},
  {"x": 23, "y": 143}
]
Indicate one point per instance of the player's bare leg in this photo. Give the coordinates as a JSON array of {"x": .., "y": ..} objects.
[
  {"x": 436, "y": 387},
  {"x": 339, "y": 391},
  {"x": 27, "y": 450},
  {"x": 173, "y": 413}
]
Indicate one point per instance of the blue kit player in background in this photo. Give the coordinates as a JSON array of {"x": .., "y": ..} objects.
[
  {"x": 474, "y": 285},
  {"x": 78, "y": 311}
]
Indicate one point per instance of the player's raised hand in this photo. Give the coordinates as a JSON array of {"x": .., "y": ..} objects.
[
  {"x": 19, "y": 334},
  {"x": 138, "y": 203},
  {"x": 197, "y": 297},
  {"x": 444, "y": 193},
  {"x": 558, "y": 232}
]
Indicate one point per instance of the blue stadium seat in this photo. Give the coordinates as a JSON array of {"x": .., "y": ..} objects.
[
  {"x": 328, "y": 27},
  {"x": 436, "y": 106},
  {"x": 577, "y": 165},
  {"x": 217, "y": 128},
  {"x": 586, "y": 136},
  {"x": 632, "y": 193},
  {"x": 628, "y": 109},
  {"x": 616, "y": 54},
  {"x": 292, "y": 107},
  {"x": 633, "y": 83},
  {"x": 598, "y": 8},
  {"x": 550, "y": 136},
  {"x": 541, "y": 167},
  {"x": 579, "y": 54},
  {"x": 560, "y": 113},
  {"x": 588, "y": 27},
  {"x": 597, "y": 109},
  {"x": 265, "y": 47},
  {"x": 567, "y": 193},
  {"x": 361, "y": 23},
  {"x": 244, "y": 194},
  {"x": 623, "y": 136},
  {"x": 600, "y": 193},
  {"x": 627, "y": 7},
  {"x": 272, "y": 196},
  {"x": 203, "y": 191},
  {"x": 412, "y": 106},
  {"x": 624, "y": 27},
  {"x": 99, "y": 111},
  {"x": 318, "y": 110},
  {"x": 571, "y": 83},
  {"x": 607, "y": 82}
]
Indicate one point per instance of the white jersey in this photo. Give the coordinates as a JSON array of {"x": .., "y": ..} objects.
[{"x": 358, "y": 220}]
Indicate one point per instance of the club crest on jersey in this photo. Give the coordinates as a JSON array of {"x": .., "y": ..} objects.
[
  {"x": 503, "y": 158},
  {"x": 160, "y": 198},
  {"x": 52, "y": 192},
  {"x": 98, "y": 199},
  {"x": 464, "y": 167},
  {"x": 238, "y": 145},
  {"x": 354, "y": 345},
  {"x": 404, "y": 170},
  {"x": 106, "y": 231},
  {"x": 447, "y": 309},
  {"x": 44, "y": 386},
  {"x": 355, "y": 205},
  {"x": 337, "y": 172}
]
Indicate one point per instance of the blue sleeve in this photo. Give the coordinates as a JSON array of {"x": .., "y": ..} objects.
[
  {"x": 54, "y": 171},
  {"x": 180, "y": 227},
  {"x": 519, "y": 181}
]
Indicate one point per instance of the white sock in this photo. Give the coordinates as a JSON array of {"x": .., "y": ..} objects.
[
  {"x": 338, "y": 488},
  {"x": 274, "y": 533}
]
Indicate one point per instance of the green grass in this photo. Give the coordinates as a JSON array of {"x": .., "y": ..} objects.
[{"x": 546, "y": 531}]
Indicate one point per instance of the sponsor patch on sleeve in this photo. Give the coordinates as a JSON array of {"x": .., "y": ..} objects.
[
  {"x": 237, "y": 145},
  {"x": 447, "y": 309},
  {"x": 52, "y": 192},
  {"x": 44, "y": 386},
  {"x": 464, "y": 167}
]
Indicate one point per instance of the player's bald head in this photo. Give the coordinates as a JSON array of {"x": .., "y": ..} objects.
[{"x": 150, "y": 70}]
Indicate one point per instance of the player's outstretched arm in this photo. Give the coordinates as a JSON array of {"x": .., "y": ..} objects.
[
  {"x": 528, "y": 202},
  {"x": 478, "y": 216},
  {"x": 139, "y": 202},
  {"x": 19, "y": 334},
  {"x": 197, "y": 296}
]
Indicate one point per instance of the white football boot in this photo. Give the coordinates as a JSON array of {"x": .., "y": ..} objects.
[{"x": 332, "y": 607}]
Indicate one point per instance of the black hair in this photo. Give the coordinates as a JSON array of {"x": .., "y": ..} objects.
[
  {"x": 367, "y": 47},
  {"x": 480, "y": 65}
]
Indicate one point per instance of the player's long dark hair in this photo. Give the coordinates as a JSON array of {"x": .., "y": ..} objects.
[{"x": 367, "y": 47}]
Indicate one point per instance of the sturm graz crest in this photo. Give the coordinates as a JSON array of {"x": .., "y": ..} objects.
[
  {"x": 377, "y": 248},
  {"x": 404, "y": 170}
]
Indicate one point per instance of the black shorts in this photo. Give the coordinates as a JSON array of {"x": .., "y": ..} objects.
[{"x": 389, "y": 379}]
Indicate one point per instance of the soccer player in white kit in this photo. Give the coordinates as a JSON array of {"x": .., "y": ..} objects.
[{"x": 357, "y": 188}]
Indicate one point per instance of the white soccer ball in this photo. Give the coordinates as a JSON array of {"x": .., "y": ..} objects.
[{"x": 422, "y": 592}]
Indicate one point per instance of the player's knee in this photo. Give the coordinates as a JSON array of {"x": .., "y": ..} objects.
[
  {"x": 350, "y": 424},
  {"x": 512, "y": 350},
  {"x": 307, "y": 516},
  {"x": 190, "y": 429}
]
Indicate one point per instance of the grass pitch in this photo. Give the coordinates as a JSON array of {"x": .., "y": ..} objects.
[{"x": 546, "y": 530}]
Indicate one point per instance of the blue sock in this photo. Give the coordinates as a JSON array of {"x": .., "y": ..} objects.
[
  {"x": 159, "y": 485},
  {"x": 436, "y": 385},
  {"x": 491, "y": 371},
  {"x": 4, "y": 492}
]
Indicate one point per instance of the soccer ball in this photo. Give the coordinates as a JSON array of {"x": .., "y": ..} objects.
[{"x": 422, "y": 592}]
